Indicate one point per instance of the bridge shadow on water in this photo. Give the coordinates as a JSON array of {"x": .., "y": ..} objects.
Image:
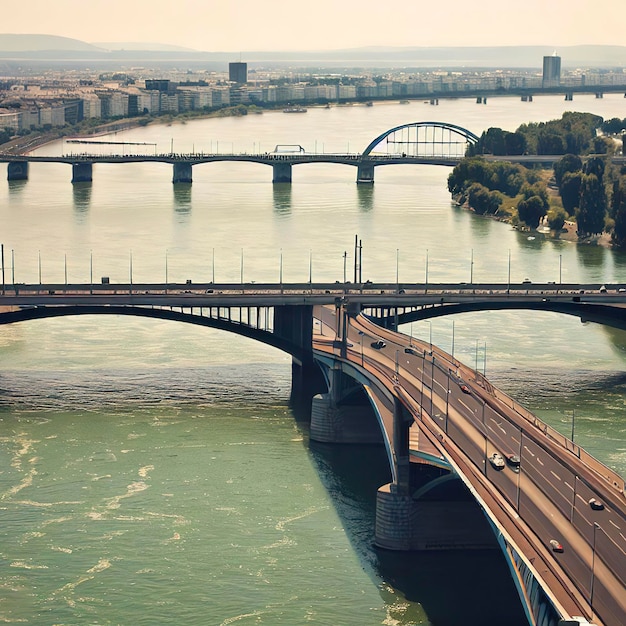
[{"x": 453, "y": 587}]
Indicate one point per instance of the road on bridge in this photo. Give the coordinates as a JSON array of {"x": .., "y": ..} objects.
[{"x": 558, "y": 507}]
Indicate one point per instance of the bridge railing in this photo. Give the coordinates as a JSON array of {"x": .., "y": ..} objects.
[{"x": 615, "y": 480}]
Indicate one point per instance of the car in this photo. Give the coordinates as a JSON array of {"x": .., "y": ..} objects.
[
  {"x": 497, "y": 462},
  {"x": 379, "y": 344},
  {"x": 465, "y": 388},
  {"x": 621, "y": 290},
  {"x": 527, "y": 281},
  {"x": 411, "y": 351},
  {"x": 556, "y": 546},
  {"x": 513, "y": 460},
  {"x": 602, "y": 289}
]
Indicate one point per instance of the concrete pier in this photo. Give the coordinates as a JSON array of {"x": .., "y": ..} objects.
[
  {"x": 82, "y": 172},
  {"x": 406, "y": 524},
  {"x": 332, "y": 423},
  {"x": 281, "y": 172},
  {"x": 365, "y": 173},
  {"x": 182, "y": 173},
  {"x": 17, "y": 170}
]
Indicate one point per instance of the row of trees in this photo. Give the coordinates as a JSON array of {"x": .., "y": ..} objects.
[{"x": 574, "y": 133}]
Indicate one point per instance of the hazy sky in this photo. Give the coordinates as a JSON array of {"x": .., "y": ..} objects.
[{"x": 237, "y": 25}]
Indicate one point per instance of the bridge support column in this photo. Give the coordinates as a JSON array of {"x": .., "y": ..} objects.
[
  {"x": 182, "y": 172},
  {"x": 17, "y": 170},
  {"x": 336, "y": 422},
  {"x": 281, "y": 172},
  {"x": 365, "y": 173},
  {"x": 82, "y": 172}
]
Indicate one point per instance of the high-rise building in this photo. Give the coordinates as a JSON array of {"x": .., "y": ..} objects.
[
  {"x": 238, "y": 72},
  {"x": 551, "y": 71}
]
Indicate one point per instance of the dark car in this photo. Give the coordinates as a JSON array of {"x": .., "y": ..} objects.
[
  {"x": 378, "y": 344},
  {"x": 411, "y": 351},
  {"x": 465, "y": 388}
]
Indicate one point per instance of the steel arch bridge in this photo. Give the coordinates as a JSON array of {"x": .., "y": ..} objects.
[{"x": 423, "y": 139}]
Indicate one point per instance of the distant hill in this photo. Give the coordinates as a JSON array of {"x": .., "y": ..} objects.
[
  {"x": 145, "y": 46},
  {"x": 35, "y": 43},
  {"x": 67, "y": 52}
]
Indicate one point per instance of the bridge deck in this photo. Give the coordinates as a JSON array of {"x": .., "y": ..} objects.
[{"x": 546, "y": 498}]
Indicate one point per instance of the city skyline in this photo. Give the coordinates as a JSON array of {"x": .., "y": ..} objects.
[{"x": 207, "y": 25}]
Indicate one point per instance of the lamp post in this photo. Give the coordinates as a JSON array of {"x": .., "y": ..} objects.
[
  {"x": 452, "y": 353},
  {"x": 397, "y": 270},
  {"x": 345, "y": 260},
  {"x": 361, "y": 343},
  {"x": 311, "y": 271},
  {"x": 166, "y": 270},
  {"x": 2, "y": 253},
  {"x": 508, "y": 284}
]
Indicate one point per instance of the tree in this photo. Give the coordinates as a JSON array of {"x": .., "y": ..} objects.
[
  {"x": 482, "y": 200},
  {"x": 618, "y": 206},
  {"x": 556, "y": 218},
  {"x": 549, "y": 142},
  {"x": 531, "y": 211},
  {"x": 595, "y": 166},
  {"x": 570, "y": 190},
  {"x": 515, "y": 143},
  {"x": 568, "y": 163},
  {"x": 592, "y": 206}
]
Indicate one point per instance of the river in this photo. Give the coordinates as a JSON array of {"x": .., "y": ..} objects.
[{"x": 153, "y": 473}]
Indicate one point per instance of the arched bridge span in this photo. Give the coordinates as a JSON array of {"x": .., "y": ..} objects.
[
  {"x": 286, "y": 328},
  {"x": 424, "y": 139},
  {"x": 606, "y": 315}
]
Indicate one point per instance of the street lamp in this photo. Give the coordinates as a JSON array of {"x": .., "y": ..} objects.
[
  {"x": 345, "y": 259},
  {"x": 508, "y": 285},
  {"x": 397, "y": 270}
]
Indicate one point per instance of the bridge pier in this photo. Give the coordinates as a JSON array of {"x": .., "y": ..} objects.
[
  {"x": 343, "y": 414},
  {"x": 365, "y": 173},
  {"x": 17, "y": 170},
  {"x": 182, "y": 172},
  {"x": 82, "y": 172},
  {"x": 281, "y": 172}
]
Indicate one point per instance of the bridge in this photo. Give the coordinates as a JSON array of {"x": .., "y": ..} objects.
[
  {"x": 430, "y": 143},
  {"x": 558, "y": 514}
]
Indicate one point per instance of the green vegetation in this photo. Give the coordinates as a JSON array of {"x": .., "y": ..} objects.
[
  {"x": 586, "y": 188},
  {"x": 574, "y": 133},
  {"x": 498, "y": 188}
]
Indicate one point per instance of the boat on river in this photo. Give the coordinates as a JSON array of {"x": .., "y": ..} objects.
[{"x": 294, "y": 110}]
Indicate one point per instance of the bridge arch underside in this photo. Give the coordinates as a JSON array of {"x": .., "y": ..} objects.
[
  {"x": 267, "y": 337},
  {"x": 600, "y": 314},
  {"x": 423, "y": 139}
]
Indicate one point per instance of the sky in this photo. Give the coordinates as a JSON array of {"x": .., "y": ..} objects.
[{"x": 240, "y": 25}]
